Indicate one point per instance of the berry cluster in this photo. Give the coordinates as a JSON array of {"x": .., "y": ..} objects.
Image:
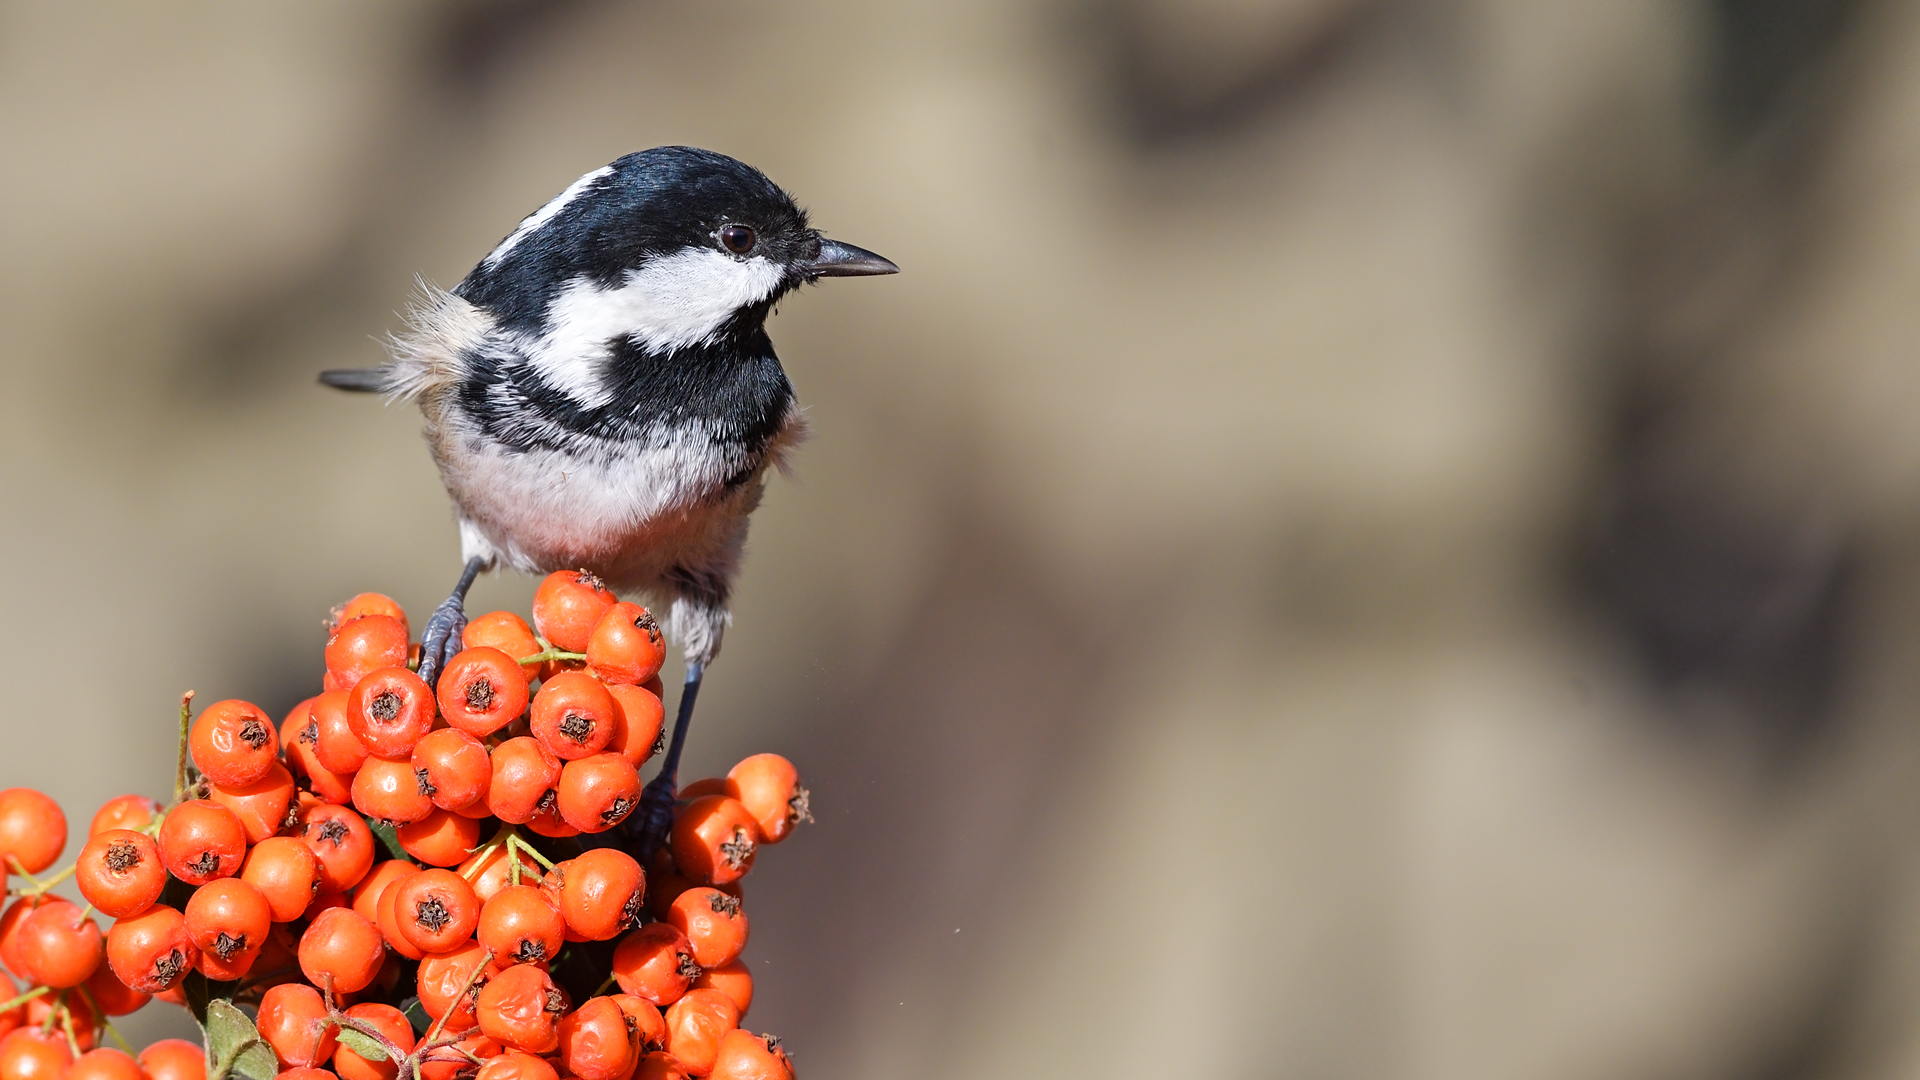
[{"x": 404, "y": 879}]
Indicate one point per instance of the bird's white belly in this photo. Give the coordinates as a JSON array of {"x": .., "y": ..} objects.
[{"x": 629, "y": 515}]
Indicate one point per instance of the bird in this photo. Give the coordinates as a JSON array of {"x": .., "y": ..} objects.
[{"x": 600, "y": 394}]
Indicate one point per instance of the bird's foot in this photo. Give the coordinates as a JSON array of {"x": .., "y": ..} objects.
[
  {"x": 653, "y": 821},
  {"x": 440, "y": 641}
]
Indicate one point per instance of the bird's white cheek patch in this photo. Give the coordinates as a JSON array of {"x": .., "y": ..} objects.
[
  {"x": 674, "y": 301},
  {"x": 683, "y": 298}
]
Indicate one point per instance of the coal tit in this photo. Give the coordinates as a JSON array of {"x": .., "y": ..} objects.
[{"x": 600, "y": 392}]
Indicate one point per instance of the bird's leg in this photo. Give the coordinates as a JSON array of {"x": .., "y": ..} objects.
[
  {"x": 440, "y": 640},
  {"x": 655, "y": 819}
]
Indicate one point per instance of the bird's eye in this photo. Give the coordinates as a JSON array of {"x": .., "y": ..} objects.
[{"x": 737, "y": 239}]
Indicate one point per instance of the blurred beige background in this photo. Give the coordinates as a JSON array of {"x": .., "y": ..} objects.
[{"x": 1371, "y": 538}]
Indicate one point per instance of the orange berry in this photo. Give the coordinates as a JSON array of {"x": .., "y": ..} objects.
[
  {"x": 665, "y": 883},
  {"x": 706, "y": 785},
  {"x": 649, "y": 1027},
  {"x": 106, "y": 1063},
  {"x": 521, "y": 1008},
  {"x": 696, "y": 1024},
  {"x": 341, "y": 843},
  {"x": 389, "y": 923},
  {"x": 28, "y": 1055},
  {"x": 456, "y": 1061},
  {"x": 202, "y": 840},
  {"x": 124, "y": 812},
  {"x": 524, "y": 774},
  {"x": 33, "y": 831},
  {"x": 548, "y": 822},
  {"x": 567, "y": 604},
  {"x": 10, "y": 922},
  {"x": 391, "y": 791},
  {"x": 514, "y": 1065},
  {"x": 390, "y": 709},
  {"x": 507, "y": 632},
  {"x": 596, "y": 1042},
  {"x": 746, "y": 1056},
  {"x": 174, "y": 1059},
  {"x": 228, "y": 917},
  {"x": 655, "y": 964},
  {"x": 596, "y": 793},
  {"x": 442, "y": 838},
  {"x": 233, "y": 743},
  {"x": 324, "y": 900},
  {"x": 715, "y": 839},
  {"x": 335, "y": 745},
  {"x": 715, "y": 925},
  {"x": 297, "y": 1073},
  {"x": 287, "y": 873},
  {"x": 342, "y": 947},
  {"x": 119, "y": 872},
  {"x": 626, "y": 645},
  {"x": 457, "y": 767},
  {"x": 436, "y": 910},
  {"x": 769, "y": 787},
  {"x": 114, "y": 997},
  {"x": 482, "y": 690},
  {"x": 388, "y": 1021},
  {"x": 299, "y": 734},
  {"x": 366, "y": 895},
  {"x": 366, "y": 645},
  {"x": 602, "y": 893},
  {"x": 453, "y": 980},
  {"x": 293, "y": 1020},
  {"x": 152, "y": 951},
  {"x": 732, "y": 979},
  {"x": 661, "y": 1065},
  {"x": 370, "y": 603},
  {"x": 639, "y": 719},
  {"x": 263, "y": 807},
  {"x": 521, "y": 925},
  {"x": 573, "y": 715},
  {"x": 58, "y": 946}
]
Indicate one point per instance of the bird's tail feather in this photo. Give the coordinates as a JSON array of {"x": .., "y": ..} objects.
[{"x": 364, "y": 380}]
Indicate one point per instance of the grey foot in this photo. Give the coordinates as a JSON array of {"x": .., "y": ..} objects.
[{"x": 440, "y": 641}]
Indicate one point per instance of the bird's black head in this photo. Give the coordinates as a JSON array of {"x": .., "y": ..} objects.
[{"x": 666, "y": 246}]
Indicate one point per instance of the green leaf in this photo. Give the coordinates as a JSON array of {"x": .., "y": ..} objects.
[
  {"x": 256, "y": 1062},
  {"x": 416, "y": 1015},
  {"x": 390, "y": 838},
  {"x": 362, "y": 1044},
  {"x": 234, "y": 1047},
  {"x": 228, "y": 1030}
]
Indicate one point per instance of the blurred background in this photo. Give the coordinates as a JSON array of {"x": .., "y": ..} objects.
[{"x": 1371, "y": 538}]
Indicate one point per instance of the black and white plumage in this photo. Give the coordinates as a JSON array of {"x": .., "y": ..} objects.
[{"x": 600, "y": 392}]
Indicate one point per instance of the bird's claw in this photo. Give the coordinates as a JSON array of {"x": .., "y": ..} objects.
[{"x": 441, "y": 638}]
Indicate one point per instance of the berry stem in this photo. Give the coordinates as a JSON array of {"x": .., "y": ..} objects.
[
  {"x": 66, "y": 1025},
  {"x": 516, "y": 844},
  {"x": 24, "y": 998},
  {"x": 180, "y": 774},
  {"x": 552, "y": 653},
  {"x": 102, "y": 1015}
]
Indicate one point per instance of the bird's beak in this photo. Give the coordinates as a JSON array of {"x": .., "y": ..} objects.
[{"x": 844, "y": 260}]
